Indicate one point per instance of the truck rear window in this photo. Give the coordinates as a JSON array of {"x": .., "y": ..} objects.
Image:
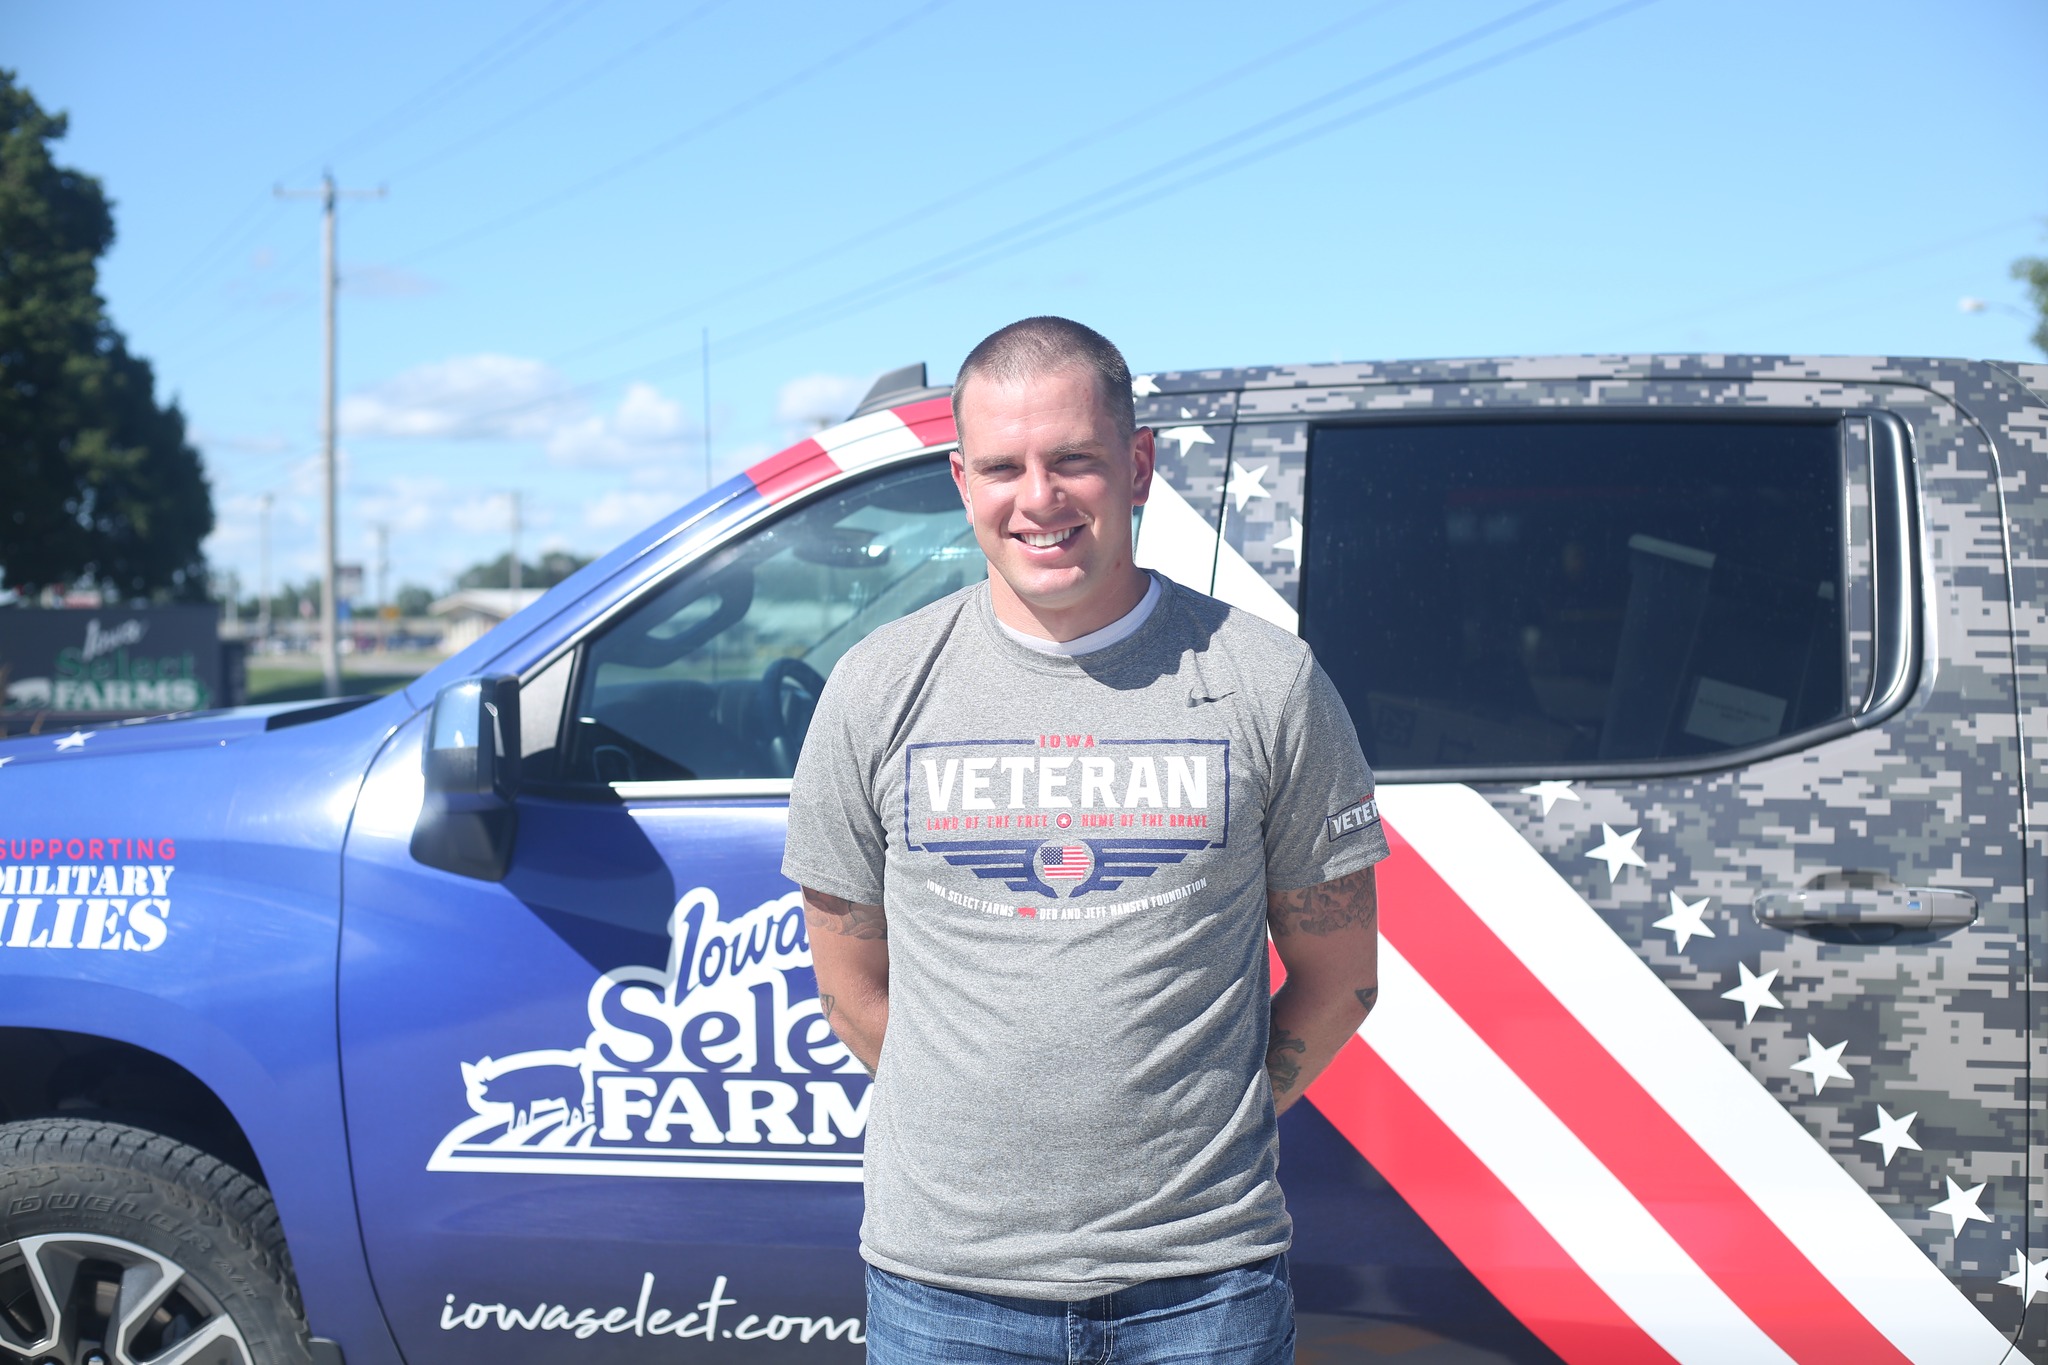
[{"x": 1491, "y": 594}]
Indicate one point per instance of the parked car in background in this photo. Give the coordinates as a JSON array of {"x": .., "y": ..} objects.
[{"x": 1707, "y": 697}]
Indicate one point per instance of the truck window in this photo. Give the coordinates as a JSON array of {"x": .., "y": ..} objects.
[
  {"x": 715, "y": 674},
  {"x": 1504, "y": 594}
]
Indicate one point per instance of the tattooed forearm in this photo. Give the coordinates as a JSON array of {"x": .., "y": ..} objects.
[
  {"x": 850, "y": 957},
  {"x": 838, "y": 915},
  {"x": 1325, "y": 908},
  {"x": 1368, "y": 997},
  {"x": 1281, "y": 1060}
]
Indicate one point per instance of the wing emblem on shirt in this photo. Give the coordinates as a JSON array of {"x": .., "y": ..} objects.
[
  {"x": 1013, "y": 862},
  {"x": 1122, "y": 860},
  {"x": 1025, "y": 864}
]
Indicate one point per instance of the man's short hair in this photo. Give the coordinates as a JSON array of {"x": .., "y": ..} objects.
[{"x": 1046, "y": 345}]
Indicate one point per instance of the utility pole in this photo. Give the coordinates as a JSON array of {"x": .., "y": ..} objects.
[
  {"x": 707, "y": 409},
  {"x": 330, "y": 623},
  {"x": 263, "y": 574},
  {"x": 515, "y": 575},
  {"x": 383, "y": 584}
]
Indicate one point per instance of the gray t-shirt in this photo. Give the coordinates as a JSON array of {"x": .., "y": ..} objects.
[{"x": 1074, "y": 854}]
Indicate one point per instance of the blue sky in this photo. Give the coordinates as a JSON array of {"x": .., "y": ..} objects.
[{"x": 579, "y": 188}]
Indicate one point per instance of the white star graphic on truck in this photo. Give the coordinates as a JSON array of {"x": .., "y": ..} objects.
[
  {"x": 1685, "y": 920},
  {"x": 1961, "y": 1206},
  {"x": 1892, "y": 1134},
  {"x": 1291, "y": 542},
  {"x": 1245, "y": 484},
  {"x": 1824, "y": 1064},
  {"x": 1551, "y": 792},
  {"x": 1754, "y": 993},
  {"x": 1617, "y": 851},
  {"x": 1188, "y": 437},
  {"x": 2030, "y": 1278}
]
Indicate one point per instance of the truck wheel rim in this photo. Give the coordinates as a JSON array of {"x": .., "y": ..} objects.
[{"x": 78, "y": 1299}]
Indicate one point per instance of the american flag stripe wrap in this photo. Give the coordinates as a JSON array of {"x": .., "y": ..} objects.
[{"x": 1643, "y": 1196}]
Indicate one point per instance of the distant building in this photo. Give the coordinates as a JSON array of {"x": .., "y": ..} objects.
[{"x": 472, "y": 611}]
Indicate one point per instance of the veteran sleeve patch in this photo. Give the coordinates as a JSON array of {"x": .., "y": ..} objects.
[{"x": 1353, "y": 818}]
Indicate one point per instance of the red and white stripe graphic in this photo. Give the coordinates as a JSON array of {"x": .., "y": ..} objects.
[
  {"x": 1070, "y": 865},
  {"x": 851, "y": 445},
  {"x": 1589, "y": 1149}
]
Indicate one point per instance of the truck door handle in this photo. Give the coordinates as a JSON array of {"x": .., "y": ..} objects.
[{"x": 1883, "y": 907}]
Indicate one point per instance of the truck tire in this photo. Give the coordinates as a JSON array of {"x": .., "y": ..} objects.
[{"x": 128, "y": 1248}]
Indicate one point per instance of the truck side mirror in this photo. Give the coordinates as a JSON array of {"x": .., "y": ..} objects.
[{"x": 470, "y": 760}]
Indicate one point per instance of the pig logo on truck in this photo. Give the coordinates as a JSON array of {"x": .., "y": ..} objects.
[{"x": 718, "y": 1064}]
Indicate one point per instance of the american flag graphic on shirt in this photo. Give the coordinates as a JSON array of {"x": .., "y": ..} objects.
[{"x": 1070, "y": 865}]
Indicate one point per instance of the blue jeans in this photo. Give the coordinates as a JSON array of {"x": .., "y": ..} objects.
[{"x": 1243, "y": 1316}]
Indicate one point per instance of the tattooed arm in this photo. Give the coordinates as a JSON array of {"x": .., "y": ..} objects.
[
  {"x": 1328, "y": 936},
  {"x": 850, "y": 953}
]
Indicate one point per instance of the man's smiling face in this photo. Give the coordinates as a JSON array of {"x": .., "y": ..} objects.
[{"x": 1049, "y": 481}]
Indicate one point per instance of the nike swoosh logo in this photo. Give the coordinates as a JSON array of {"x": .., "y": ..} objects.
[{"x": 1196, "y": 699}]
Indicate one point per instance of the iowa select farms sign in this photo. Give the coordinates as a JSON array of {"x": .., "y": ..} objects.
[{"x": 104, "y": 662}]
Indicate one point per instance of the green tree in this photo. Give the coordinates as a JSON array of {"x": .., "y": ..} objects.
[
  {"x": 101, "y": 484},
  {"x": 2032, "y": 271},
  {"x": 413, "y": 600},
  {"x": 554, "y": 566},
  {"x": 285, "y": 602}
]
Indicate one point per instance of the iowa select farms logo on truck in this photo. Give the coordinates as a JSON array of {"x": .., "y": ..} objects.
[{"x": 717, "y": 1064}]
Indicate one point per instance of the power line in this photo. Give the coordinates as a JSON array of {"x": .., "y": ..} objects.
[
  {"x": 239, "y": 224},
  {"x": 697, "y": 130},
  {"x": 542, "y": 24},
  {"x": 1142, "y": 188},
  {"x": 1151, "y": 109},
  {"x": 1002, "y": 245},
  {"x": 233, "y": 246},
  {"x": 235, "y": 309},
  {"x": 240, "y": 230},
  {"x": 292, "y": 312},
  {"x": 1850, "y": 272},
  {"x": 639, "y": 47}
]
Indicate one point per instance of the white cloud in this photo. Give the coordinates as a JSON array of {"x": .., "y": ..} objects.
[
  {"x": 412, "y": 505},
  {"x": 406, "y": 504},
  {"x": 624, "y": 510},
  {"x": 469, "y": 397},
  {"x": 482, "y": 513},
  {"x": 303, "y": 479},
  {"x": 652, "y": 490},
  {"x": 236, "y": 523},
  {"x": 645, "y": 426},
  {"x": 814, "y": 401}
]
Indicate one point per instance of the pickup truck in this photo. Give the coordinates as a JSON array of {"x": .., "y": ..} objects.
[{"x": 1708, "y": 696}]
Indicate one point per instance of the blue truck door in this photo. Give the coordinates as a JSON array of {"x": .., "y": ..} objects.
[{"x": 596, "y": 1103}]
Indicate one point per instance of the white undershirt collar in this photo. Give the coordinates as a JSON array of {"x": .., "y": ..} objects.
[{"x": 1120, "y": 629}]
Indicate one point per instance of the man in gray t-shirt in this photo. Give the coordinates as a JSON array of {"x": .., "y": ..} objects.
[{"x": 1042, "y": 827}]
